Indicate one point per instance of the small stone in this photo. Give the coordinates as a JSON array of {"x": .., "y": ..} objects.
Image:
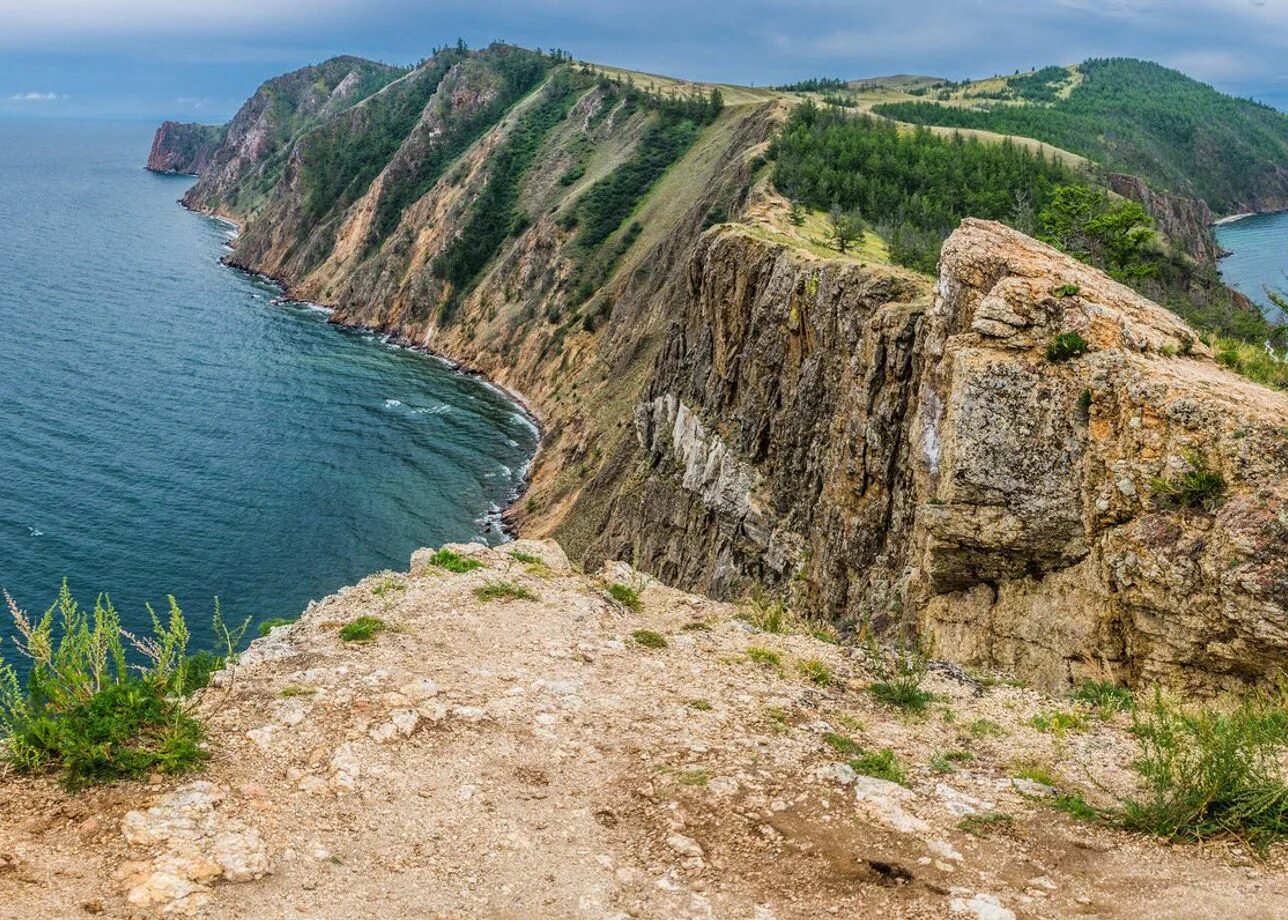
[{"x": 685, "y": 846}]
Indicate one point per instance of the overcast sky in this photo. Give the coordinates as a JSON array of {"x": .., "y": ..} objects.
[{"x": 199, "y": 59}]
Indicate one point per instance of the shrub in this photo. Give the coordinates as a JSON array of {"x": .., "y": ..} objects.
[
  {"x": 85, "y": 711},
  {"x": 1200, "y": 487},
  {"x": 900, "y": 685},
  {"x": 1066, "y": 345},
  {"x": 700, "y": 705},
  {"x": 1208, "y": 773},
  {"x": 526, "y": 558},
  {"x": 1105, "y": 697},
  {"x": 947, "y": 761},
  {"x": 363, "y": 629},
  {"x": 881, "y": 764},
  {"x": 771, "y": 616},
  {"x": 1059, "y": 722},
  {"x": 649, "y": 639},
  {"x": 1066, "y": 290},
  {"x": 625, "y": 595},
  {"x": 504, "y": 591},
  {"x": 454, "y": 562},
  {"x": 815, "y": 671}
]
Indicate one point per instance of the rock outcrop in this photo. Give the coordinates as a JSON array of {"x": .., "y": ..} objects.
[
  {"x": 560, "y": 754},
  {"x": 1041, "y": 543},
  {"x": 817, "y": 426},
  {"x": 184, "y": 148}
]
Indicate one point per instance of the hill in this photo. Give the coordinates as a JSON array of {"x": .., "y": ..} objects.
[{"x": 1130, "y": 116}]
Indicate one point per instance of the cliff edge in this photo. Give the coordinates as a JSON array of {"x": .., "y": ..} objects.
[{"x": 556, "y": 754}]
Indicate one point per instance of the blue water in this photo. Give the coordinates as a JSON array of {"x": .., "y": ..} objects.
[
  {"x": 166, "y": 429},
  {"x": 1260, "y": 258}
]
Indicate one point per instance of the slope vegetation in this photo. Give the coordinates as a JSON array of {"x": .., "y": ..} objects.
[{"x": 1134, "y": 117}]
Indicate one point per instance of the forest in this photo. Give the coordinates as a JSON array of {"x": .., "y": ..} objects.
[
  {"x": 1135, "y": 117},
  {"x": 914, "y": 186}
]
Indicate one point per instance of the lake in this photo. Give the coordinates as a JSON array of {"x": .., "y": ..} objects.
[{"x": 168, "y": 429}]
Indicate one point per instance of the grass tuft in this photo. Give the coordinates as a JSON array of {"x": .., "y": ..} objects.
[
  {"x": 525, "y": 557},
  {"x": 269, "y": 625},
  {"x": 1065, "y": 346},
  {"x": 816, "y": 672},
  {"x": 454, "y": 562},
  {"x": 985, "y": 822},
  {"x": 764, "y": 657},
  {"x": 842, "y": 744},
  {"x": 625, "y": 595},
  {"x": 1059, "y": 722},
  {"x": 649, "y": 639},
  {"x": 504, "y": 591},
  {"x": 363, "y": 629},
  {"x": 882, "y": 764},
  {"x": 1105, "y": 697},
  {"x": 1201, "y": 487},
  {"x": 771, "y": 616}
]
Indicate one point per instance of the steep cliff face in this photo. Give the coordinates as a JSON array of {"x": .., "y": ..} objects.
[
  {"x": 818, "y": 426},
  {"x": 1186, "y": 222},
  {"x": 184, "y": 148},
  {"x": 773, "y": 429}
]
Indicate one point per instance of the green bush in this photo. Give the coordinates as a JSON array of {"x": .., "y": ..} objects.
[
  {"x": 1208, "y": 773},
  {"x": 93, "y": 709},
  {"x": 363, "y": 629},
  {"x": 1201, "y": 487},
  {"x": 1066, "y": 345},
  {"x": 1066, "y": 290},
  {"x": 842, "y": 744}
]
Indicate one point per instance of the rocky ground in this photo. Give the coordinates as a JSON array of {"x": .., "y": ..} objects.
[{"x": 519, "y": 758}]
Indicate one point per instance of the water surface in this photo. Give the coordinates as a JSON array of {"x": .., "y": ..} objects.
[
  {"x": 169, "y": 430},
  {"x": 1259, "y": 260}
]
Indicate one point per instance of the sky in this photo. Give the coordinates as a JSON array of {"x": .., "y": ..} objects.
[{"x": 198, "y": 60}]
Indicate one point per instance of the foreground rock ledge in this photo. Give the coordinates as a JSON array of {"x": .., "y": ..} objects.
[{"x": 531, "y": 759}]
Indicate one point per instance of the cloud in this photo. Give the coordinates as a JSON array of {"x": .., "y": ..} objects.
[{"x": 36, "y": 97}]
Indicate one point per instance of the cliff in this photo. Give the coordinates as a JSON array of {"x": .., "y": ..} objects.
[
  {"x": 819, "y": 426},
  {"x": 732, "y": 407},
  {"x": 1186, "y": 222},
  {"x": 532, "y": 757},
  {"x": 184, "y": 148}
]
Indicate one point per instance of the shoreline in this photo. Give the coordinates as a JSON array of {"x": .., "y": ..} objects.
[{"x": 504, "y": 522}]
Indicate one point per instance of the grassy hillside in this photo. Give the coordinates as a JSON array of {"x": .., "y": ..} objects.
[{"x": 1130, "y": 116}]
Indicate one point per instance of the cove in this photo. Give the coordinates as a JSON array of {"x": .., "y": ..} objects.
[{"x": 169, "y": 429}]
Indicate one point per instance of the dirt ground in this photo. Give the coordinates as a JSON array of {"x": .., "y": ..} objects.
[{"x": 512, "y": 758}]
